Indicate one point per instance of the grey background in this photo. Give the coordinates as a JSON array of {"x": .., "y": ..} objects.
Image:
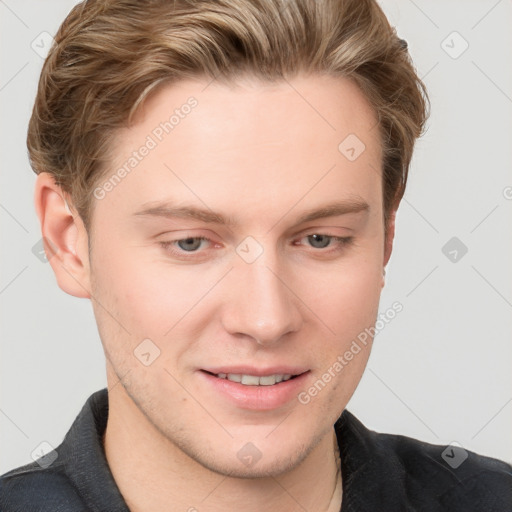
[{"x": 440, "y": 371}]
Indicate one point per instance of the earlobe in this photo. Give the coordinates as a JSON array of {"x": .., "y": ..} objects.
[{"x": 64, "y": 236}]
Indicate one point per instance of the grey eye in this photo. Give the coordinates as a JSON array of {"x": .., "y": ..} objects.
[
  {"x": 319, "y": 241},
  {"x": 190, "y": 244}
]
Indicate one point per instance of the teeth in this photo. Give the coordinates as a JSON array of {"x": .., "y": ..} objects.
[
  {"x": 254, "y": 380},
  {"x": 267, "y": 380},
  {"x": 249, "y": 380}
]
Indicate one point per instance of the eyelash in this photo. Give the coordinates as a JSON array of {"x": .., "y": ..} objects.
[{"x": 342, "y": 243}]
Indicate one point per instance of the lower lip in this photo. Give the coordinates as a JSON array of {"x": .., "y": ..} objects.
[{"x": 261, "y": 398}]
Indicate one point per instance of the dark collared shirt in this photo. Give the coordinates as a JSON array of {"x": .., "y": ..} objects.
[{"x": 381, "y": 472}]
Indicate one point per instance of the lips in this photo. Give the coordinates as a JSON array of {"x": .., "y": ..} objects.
[{"x": 253, "y": 388}]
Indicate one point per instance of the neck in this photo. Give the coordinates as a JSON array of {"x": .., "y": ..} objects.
[{"x": 153, "y": 474}]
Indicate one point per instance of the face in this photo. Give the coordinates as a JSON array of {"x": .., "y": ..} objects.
[{"x": 243, "y": 240}]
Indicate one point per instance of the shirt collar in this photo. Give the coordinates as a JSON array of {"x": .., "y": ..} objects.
[{"x": 84, "y": 458}]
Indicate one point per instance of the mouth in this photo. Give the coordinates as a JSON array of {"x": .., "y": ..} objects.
[
  {"x": 255, "y": 380},
  {"x": 255, "y": 389}
]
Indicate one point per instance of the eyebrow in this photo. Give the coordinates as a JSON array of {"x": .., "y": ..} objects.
[{"x": 169, "y": 210}]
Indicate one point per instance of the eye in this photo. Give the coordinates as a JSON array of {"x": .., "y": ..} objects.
[
  {"x": 322, "y": 241},
  {"x": 190, "y": 244},
  {"x": 319, "y": 241}
]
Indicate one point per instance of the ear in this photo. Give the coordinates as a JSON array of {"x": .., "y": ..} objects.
[
  {"x": 388, "y": 242},
  {"x": 64, "y": 237}
]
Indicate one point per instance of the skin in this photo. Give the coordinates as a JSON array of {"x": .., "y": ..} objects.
[{"x": 262, "y": 154}]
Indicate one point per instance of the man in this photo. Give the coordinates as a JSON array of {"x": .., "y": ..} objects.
[{"x": 221, "y": 179}]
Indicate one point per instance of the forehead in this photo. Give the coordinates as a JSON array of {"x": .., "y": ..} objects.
[
  {"x": 250, "y": 144},
  {"x": 313, "y": 106}
]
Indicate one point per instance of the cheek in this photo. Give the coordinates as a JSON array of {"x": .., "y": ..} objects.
[
  {"x": 143, "y": 298},
  {"x": 345, "y": 296},
  {"x": 345, "y": 301},
  {"x": 358, "y": 296},
  {"x": 148, "y": 294},
  {"x": 128, "y": 307}
]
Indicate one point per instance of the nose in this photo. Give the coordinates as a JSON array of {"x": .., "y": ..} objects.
[{"x": 261, "y": 303}]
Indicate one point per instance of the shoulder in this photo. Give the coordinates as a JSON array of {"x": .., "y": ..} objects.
[
  {"x": 37, "y": 489},
  {"x": 430, "y": 476},
  {"x": 69, "y": 478},
  {"x": 451, "y": 473}
]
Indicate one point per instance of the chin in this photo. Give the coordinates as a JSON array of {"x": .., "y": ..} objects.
[{"x": 267, "y": 466}]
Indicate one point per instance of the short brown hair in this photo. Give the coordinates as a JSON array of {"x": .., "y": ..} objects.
[{"x": 109, "y": 54}]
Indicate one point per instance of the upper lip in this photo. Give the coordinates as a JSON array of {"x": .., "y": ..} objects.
[{"x": 258, "y": 372}]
